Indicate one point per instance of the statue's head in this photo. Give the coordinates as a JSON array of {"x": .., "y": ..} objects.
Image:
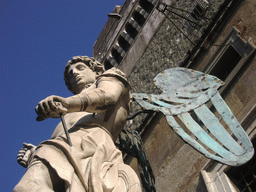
[{"x": 96, "y": 67}]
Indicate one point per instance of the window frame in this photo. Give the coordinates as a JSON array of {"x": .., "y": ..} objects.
[
  {"x": 244, "y": 48},
  {"x": 213, "y": 174}
]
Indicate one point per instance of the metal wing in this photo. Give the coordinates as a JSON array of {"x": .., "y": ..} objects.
[{"x": 196, "y": 112}]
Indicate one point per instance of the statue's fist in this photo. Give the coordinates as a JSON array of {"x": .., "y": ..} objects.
[
  {"x": 24, "y": 155},
  {"x": 52, "y": 106}
]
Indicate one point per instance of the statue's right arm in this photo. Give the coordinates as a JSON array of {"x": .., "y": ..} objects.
[
  {"x": 25, "y": 154},
  {"x": 103, "y": 97},
  {"x": 95, "y": 100}
]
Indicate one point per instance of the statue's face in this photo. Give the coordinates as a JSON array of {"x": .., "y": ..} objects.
[{"x": 80, "y": 75}]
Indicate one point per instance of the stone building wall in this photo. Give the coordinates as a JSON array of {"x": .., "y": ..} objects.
[
  {"x": 167, "y": 48},
  {"x": 176, "y": 165}
]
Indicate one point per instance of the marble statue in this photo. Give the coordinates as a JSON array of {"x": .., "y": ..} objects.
[{"x": 95, "y": 115}]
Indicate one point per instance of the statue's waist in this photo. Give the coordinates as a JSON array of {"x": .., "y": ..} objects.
[{"x": 89, "y": 126}]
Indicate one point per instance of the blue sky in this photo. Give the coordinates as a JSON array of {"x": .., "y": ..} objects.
[{"x": 37, "y": 38}]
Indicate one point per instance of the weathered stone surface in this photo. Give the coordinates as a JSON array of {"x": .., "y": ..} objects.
[
  {"x": 176, "y": 165},
  {"x": 94, "y": 117}
]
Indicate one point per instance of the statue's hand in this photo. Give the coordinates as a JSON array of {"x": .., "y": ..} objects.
[
  {"x": 24, "y": 155},
  {"x": 51, "y": 107}
]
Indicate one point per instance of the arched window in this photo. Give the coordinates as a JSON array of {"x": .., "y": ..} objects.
[
  {"x": 146, "y": 5},
  {"x": 123, "y": 43},
  {"x": 107, "y": 65},
  {"x": 117, "y": 56},
  {"x": 139, "y": 18},
  {"x": 131, "y": 30}
]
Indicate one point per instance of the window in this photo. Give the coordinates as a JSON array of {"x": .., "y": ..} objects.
[
  {"x": 217, "y": 177},
  {"x": 107, "y": 65},
  {"x": 196, "y": 13},
  {"x": 135, "y": 23},
  {"x": 123, "y": 43},
  {"x": 228, "y": 63},
  {"x": 139, "y": 18},
  {"x": 131, "y": 30},
  {"x": 230, "y": 59},
  {"x": 117, "y": 56},
  {"x": 244, "y": 177},
  {"x": 146, "y": 5}
]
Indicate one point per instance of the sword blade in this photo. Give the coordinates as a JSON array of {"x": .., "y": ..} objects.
[{"x": 65, "y": 129}]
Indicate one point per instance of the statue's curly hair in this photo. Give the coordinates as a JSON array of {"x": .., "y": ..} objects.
[{"x": 91, "y": 62}]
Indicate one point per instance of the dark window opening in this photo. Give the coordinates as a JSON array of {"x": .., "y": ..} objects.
[
  {"x": 146, "y": 5},
  {"x": 197, "y": 12},
  {"x": 139, "y": 18},
  {"x": 123, "y": 43},
  {"x": 117, "y": 56},
  {"x": 107, "y": 65},
  {"x": 244, "y": 177},
  {"x": 226, "y": 63},
  {"x": 131, "y": 30}
]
